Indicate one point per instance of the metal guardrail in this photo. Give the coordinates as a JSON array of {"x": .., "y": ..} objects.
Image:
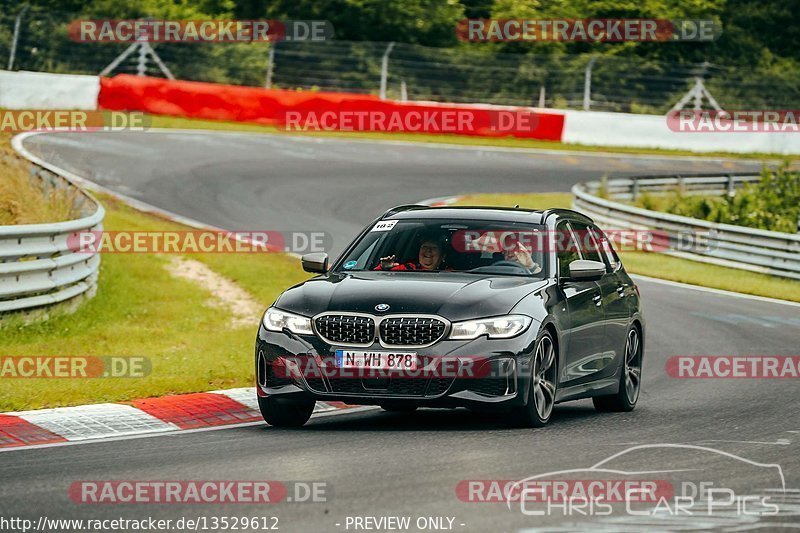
[
  {"x": 37, "y": 266},
  {"x": 768, "y": 252}
]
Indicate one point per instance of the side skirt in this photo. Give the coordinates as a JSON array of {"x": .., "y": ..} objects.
[{"x": 601, "y": 387}]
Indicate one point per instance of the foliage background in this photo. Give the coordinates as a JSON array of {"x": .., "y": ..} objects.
[
  {"x": 773, "y": 203},
  {"x": 754, "y": 64}
]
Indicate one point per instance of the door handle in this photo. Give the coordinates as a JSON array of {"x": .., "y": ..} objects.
[
  {"x": 596, "y": 298},
  {"x": 621, "y": 290}
]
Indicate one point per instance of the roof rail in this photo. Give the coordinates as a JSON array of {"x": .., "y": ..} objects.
[
  {"x": 547, "y": 212},
  {"x": 404, "y": 207}
]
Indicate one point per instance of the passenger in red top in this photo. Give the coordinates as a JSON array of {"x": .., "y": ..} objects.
[{"x": 430, "y": 258}]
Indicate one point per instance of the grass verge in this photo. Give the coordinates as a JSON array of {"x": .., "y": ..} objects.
[
  {"x": 142, "y": 310},
  {"x": 660, "y": 265},
  {"x": 162, "y": 121},
  {"x": 22, "y": 198}
]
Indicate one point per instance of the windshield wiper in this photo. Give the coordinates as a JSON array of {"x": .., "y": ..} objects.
[{"x": 495, "y": 273}]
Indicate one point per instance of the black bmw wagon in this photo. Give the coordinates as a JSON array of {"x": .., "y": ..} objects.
[{"x": 508, "y": 310}]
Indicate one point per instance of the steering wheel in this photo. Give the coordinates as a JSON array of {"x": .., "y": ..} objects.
[{"x": 507, "y": 263}]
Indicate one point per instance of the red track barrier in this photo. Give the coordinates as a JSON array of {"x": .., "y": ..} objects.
[{"x": 249, "y": 104}]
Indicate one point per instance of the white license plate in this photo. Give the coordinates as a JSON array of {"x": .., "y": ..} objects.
[{"x": 376, "y": 360}]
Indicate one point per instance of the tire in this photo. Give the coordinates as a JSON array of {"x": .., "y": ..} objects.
[
  {"x": 398, "y": 408},
  {"x": 541, "y": 387},
  {"x": 630, "y": 379},
  {"x": 284, "y": 412}
]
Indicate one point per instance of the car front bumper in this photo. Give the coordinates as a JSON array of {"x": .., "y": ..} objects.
[{"x": 481, "y": 373}]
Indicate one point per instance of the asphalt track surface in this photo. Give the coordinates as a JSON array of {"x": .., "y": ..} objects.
[{"x": 380, "y": 464}]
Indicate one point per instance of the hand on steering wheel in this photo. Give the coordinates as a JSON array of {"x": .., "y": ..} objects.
[{"x": 515, "y": 264}]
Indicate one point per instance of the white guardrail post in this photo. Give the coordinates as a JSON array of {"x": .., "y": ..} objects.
[
  {"x": 768, "y": 252},
  {"x": 38, "y": 266}
]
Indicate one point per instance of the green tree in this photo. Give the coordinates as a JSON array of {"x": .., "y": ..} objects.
[{"x": 427, "y": 22}]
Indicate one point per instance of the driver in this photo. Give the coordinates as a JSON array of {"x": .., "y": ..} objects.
[
  {"x": 520, "y": 254},
  {"x": 430, "y": 257},
  {"x": 513, "y": 250}
]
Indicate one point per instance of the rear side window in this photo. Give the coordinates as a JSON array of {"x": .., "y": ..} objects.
[
  {"x": 586, "y": 240},
  {"x": 612, "y": 259}
]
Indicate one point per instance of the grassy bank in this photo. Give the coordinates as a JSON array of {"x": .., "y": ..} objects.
[
  {"x": 22, "y": 198},
  {"x": 659, "y": 265}
]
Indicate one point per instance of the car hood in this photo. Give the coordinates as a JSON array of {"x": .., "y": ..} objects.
[{"x": 451, "y": 295}]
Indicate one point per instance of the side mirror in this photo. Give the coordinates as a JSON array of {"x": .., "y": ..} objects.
[
  {"x": 584, "y": 270},
  {"x": 316, "y": 262}
]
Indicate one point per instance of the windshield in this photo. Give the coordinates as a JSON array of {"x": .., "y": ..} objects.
[{"x": 473, "y": 246}]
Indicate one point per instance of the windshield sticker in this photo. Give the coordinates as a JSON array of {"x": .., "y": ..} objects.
[
  {"x": 384, "y": 225},
  {"x": 349, "y": 265}
]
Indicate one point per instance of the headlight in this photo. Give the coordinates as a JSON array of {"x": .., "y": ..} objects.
[
  {"x": 501, "y": 327},
  {"x": 277, "y": 320}
]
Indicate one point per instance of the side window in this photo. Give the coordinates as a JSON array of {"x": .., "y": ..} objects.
[
  {"x": 566, "y": 248},
  {"x": 586, "y": 240},
  {"x": 612, "y": 260}
]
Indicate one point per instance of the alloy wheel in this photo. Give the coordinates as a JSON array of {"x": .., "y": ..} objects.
[
  {"x": 633, "y": 366},
  {"x": 544, "y": 377}
]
